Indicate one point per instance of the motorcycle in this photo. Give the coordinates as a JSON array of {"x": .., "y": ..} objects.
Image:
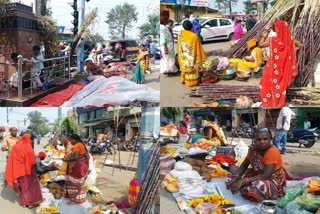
[
  {"x": 305, "y": 137},
  {"x": 132, "y": 145},
  {"x": 98, "y": 148}
]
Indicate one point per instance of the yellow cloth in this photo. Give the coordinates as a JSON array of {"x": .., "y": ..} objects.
[
  {"x": 190, "y": 52},
  {"x": 244, "y": 67},
  {"x": 143, "y": 57}
]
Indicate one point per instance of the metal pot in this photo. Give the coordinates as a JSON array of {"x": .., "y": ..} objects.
[{"x": 268, "y": 207}]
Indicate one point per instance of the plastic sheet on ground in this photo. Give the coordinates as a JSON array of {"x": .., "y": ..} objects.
[
  {"x": 112, "y": 91},
  {"x": 236, "y": 199},
  {"x": 83, "y": 208}
]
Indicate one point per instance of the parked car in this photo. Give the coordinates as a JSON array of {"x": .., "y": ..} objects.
[
  {"x": 130, "y": 45},
  {"x": 211, "y": 29}
]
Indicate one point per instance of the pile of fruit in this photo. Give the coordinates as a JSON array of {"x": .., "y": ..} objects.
[
  {"x": 213, "y": 141},
  {"x": 213, "y": 198}
]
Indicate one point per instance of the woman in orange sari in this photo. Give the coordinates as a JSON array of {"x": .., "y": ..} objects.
[
  {"x": 281, "y": 68},
  {"x": 21, "y": 173},
  {"x": 190, "y": 51},
  {"x": 77, "y": 171}
]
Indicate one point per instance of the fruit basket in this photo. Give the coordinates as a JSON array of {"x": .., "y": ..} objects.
[{"x": 226, "y": 74}]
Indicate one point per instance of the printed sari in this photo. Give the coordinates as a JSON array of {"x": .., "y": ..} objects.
[
  {"x": 260, "y": 190},
  {"x": 77, "y": 171},
  {"x": 281, "y": 68},
  {"x": 190, "y": 53},
  {"x": 142, "y": 65},
  {"x": 167, "y": 62},
  {"x": 21, "y": 174}
]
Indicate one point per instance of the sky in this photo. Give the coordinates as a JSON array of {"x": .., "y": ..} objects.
[
  {"x": 61, "y": 11},
  {"x": 18, "y": 114},
  {"x": 239, "y": 7}
]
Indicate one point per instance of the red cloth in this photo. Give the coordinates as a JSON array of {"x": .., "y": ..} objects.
[
  {"x": 281, "y": 68},
  {"x": 58, "y": 98},
  {"x": 21, "y": 160},
  {"x": 187, "y": 119}
]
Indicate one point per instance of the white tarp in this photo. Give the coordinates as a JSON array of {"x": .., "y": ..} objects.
[{"x": 114, "y": 91}]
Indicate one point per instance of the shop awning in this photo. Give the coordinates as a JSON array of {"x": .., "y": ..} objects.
[{"x": 93, "y": 123}]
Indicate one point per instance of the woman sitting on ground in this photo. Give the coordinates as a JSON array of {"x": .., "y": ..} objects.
[
  {"x": 252, "y": 62},
  {"x": 266, "y": 178}
]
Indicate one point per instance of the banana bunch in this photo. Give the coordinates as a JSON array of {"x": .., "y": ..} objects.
[{"x": 51, "y": 210}]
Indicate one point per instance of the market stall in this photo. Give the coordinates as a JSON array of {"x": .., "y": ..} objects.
[{"x": 195, "y": 174}]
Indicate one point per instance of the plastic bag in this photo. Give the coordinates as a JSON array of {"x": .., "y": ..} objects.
[
  {"x": 223, "y": 63},
  {"x": 308, "y": 202},
  {"x": 206, "y": 208},
  {"x": 182, "y": 166},
  {"x": 290, "y": 196},
  {"x": 293, "y": 208}
]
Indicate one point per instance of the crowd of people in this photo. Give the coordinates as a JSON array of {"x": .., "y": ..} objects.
[{"x": 24, "y": 168}]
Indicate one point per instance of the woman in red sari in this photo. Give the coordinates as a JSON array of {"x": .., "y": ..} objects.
[
  {"x": 266, "y": 178},
  {"x": 21, "y": 174},
  {"x": 77, "y": 171},
  {"x": 281, "y": 68}
]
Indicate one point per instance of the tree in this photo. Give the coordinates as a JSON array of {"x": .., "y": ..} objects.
[
  {"x": 152, "y": 26},
  {"x": 96, "y": 38},
  {"x": 120, "y": 18},
  {"x": 69, "y": 126},
  {"x": 171, "y": 113},
  {"x": 45, "y": 9},
  {"x": 38, "y": 123},
  {"x": 249, "y": 7},
  {"x": 227, "y": 4}
]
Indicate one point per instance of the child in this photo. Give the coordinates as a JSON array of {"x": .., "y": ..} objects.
[{"x": 37, "y": 62}]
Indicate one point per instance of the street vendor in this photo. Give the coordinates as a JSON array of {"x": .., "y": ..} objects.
[
  {"x": 183, "y": 133},
  {"x": 252, "y": 62},
  {"x": 266, "y": 178},
  {"x": 40, "y": 167}
]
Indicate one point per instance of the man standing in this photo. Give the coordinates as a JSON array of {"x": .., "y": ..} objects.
[
  {"x": 250, "y": 22},
  {"x": 153, "y": 50},
  {"x": 10, "y": 140},
  {"x": 283, "y": 126}
]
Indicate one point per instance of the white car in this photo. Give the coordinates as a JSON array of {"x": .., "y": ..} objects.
[{"x": 211, "y": 29}]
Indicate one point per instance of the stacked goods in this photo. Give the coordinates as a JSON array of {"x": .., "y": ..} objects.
[
  {"x": 166, "y": 165},
  {"x": 169, "y": 150},
  {"x": 304, "y": 96},
  {"x": 221, "y": 158},
  {"x": 213, "y": 199},
  {"x": 170, "y": 183},
  {"x": 303, "y": 16},
  {"x": 150, "y": 184},
  {"x": 200, "y": 167},
  {"x": 56, "y": 190},
  {"x": 169, "y": 130},
  {"x": 212, "y": 93}
]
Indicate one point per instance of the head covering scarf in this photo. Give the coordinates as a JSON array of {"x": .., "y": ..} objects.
[
  {"x": 281, "y": 68},
  {"x": 251, "y": 43},
  {"x": 196, "y": 27},
  {"x": 21, "y": 160}
]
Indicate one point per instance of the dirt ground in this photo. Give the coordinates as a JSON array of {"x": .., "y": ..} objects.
[{"x": 114, "y": 186}]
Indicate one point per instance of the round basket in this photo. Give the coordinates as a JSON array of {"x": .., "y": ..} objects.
[{"x": 224, "y": 76}]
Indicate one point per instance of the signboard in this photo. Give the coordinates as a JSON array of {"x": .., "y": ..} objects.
[
  {"x": 61, "y": 29},
  {"x": 195, "y": 3},
  {"x": 168, "y": 2}
]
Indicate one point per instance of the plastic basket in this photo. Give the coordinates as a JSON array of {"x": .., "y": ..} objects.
[{"x": 224, "y": 76}]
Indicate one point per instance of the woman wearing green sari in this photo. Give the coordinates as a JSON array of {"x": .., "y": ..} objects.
[{"x": 143, "y": 64}]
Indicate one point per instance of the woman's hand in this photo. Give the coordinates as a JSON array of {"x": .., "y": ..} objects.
[
  {"x": 237, "y": 185},
  {"x": 232, "y": 181}
]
